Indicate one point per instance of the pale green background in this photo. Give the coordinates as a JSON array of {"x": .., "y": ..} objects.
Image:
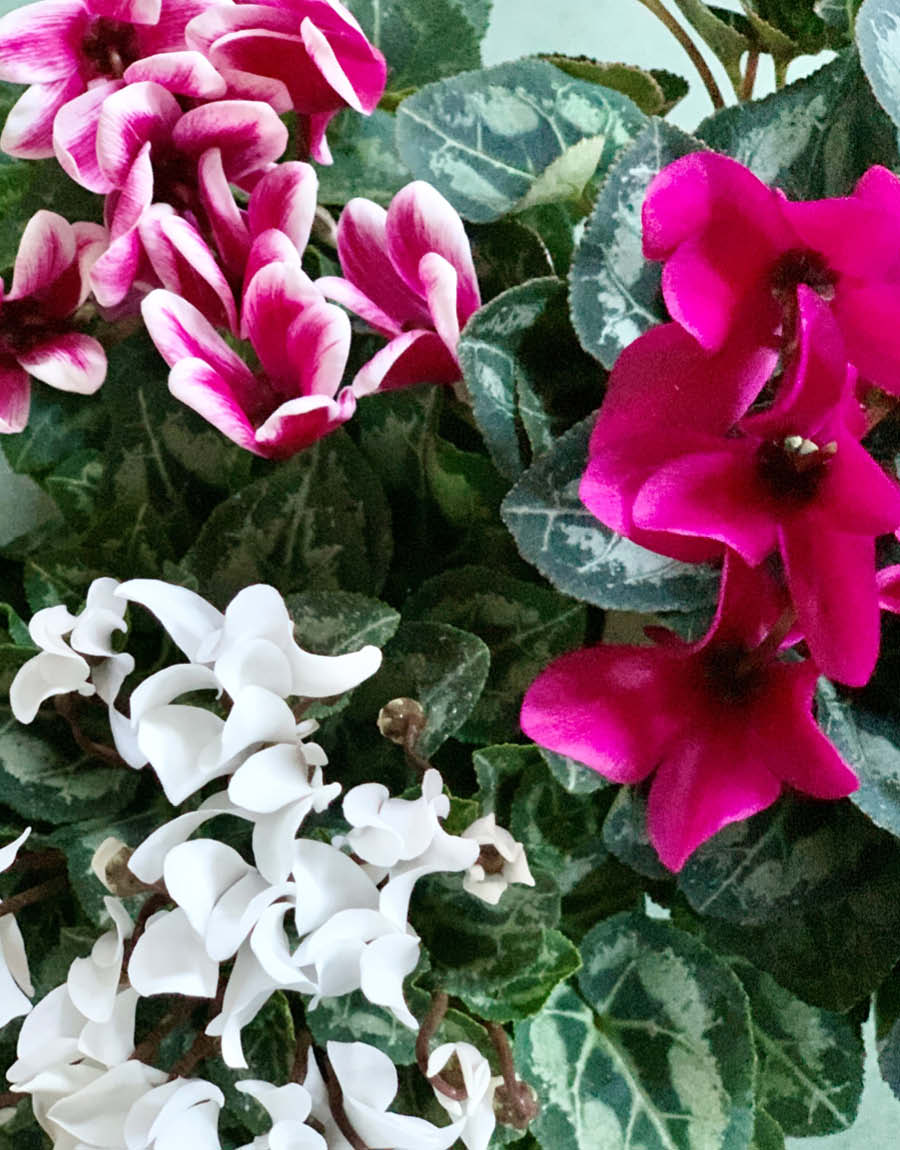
[{"x": 624, "y": 30}]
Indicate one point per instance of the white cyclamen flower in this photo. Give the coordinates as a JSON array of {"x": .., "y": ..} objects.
[
  {"x": 252, "y": 643},
  {"x": 179, "y": 1115},
  {"x": 63, "y": 666},
  {"x": 501, "y": 861},
  {"x": 476, "y": 1111},
  {"x": 288, "y": 1106},
  {"x": 15, "y": 980}
]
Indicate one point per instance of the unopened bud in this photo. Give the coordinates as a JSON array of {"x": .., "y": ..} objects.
[
  {"x": 402, "y": 721},
  {"x": 110, "y": 865},
  {"x": 516, "y": 1106}
]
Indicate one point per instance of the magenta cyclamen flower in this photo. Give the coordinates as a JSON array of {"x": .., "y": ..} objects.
[
  {"x": 309, "y": 55},
  {"x": 736, "y": 251},
  {"x": 721, "y": 724},
  {"x": 302, "y": 343},
  {"x": 83, "y": 50},
  {"x": 408, "y": 272},
  {"x": 793, "y": 479},
  {"x": 36, "y": 339}
]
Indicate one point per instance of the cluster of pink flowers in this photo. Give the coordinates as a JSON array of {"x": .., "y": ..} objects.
[
  {"x": 733, "y": 434},
  {"x": 170, "y": 109}
]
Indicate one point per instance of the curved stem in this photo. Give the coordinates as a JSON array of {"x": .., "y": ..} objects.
[
  {"x": 666, "y": 18},
  {"x": 746, "y": 92},
  {"x": 33, "y": 894}
]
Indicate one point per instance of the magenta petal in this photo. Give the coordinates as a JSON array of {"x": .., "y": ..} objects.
[
  {"x": 271, "y": 247},
  {"x": 114, "y": 272},
  {"x": 856, "y": 496},
  {"x": 412, "y": 358},
  {"x": 300, "y": 422},
  {"x": 856, "y": 235},
  {"x": 183, "y": 73},
  {"x": 47, "y": 249},
  {"x": 128, "y": 11},
  {"x": 789, "y": 741},
  {"x": 248, "y": 133},
  {"x": 15, "y": 397},
  {"x": 614, "y": 708},
  {"x": 276, "y": 294},
  {"x": 440, "y": 282},
  {"x": 132, "y": 117},
  {"x": 713, "y": 495},
  {"x": 200, "y": 387},
  {"x": 831, "y": 577},
  {"x": 285, "y": 198},
  {"x": 888, "y": 580},
  {"x": 419, "y": 220},
  {"x": 709, "y": 779},
  {"x": 225, "y": 217},
  {"x": 40, "y": 42},
  {"x": 180, "y": 332},
  {"x": 347, "y": 295},
  {"x": 71, "y": 362},
  {"x": 869, "y": 318},
  {"x": 322, "y": 55},
  {"x": 316, "y": 126},
  {"x": 75, "y": 132},
  {"x": 318, "y": 345},
  {"x": 28, "y": 131},
  {"x": 362, "y": 250}
]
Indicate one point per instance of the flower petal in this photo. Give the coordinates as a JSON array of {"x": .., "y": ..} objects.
[
  {"x": 181, "y": 332},
  {"x": 169, "y": 958},
  {"x": 204, "y": 390},
  {"x": 130, "y": 118},
  {"x": 300, "y": 422},
  {"x": 285, "y": 198},
  {"x": 40, "y": 42},
  {"x": 15, "y": 397},
  {"x": 226, "y": 219},
  {"x": 318, "y": 345},
  {"x": 248, "y": 133},
  {"x": 412, "y": 358},
  {"x": 28, "y": 131},
  {"x": 75, "y": 132},
  {"x": 70, "y": 362},
  {"x": 182, "y": 73}
]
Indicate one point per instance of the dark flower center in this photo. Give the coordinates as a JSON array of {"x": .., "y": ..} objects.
[
  {"x": 800, "y": 266},
  {"x": 110, "y": 46},
  {"x": 794, "y": 469},
  {"x": 24, "y": 324},
  {"x": 728, "y": 675}
]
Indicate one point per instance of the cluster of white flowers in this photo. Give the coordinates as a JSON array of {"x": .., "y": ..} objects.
[{"x": 319, "y": 918}]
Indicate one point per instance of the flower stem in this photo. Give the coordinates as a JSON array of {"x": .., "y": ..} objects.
[
  {"x": 746, "y": 92},
  {"x": 518, "y": 1105},
  {"x": 33, "y": 894},
  {"x": 336, "y": 1102},
  {"x": 427, "y": 1031},
  {"x": 668, "y": 20},
  {"x": 65, "y": 707}
]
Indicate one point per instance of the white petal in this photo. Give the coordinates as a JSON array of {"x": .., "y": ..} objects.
[
  {"x": 96, "y": 1113},
  {"x": 174, "y": 738},
  {"x": 92, "y": 982},
  {"x": 13, "y": 1003},
  {"x": 254, "y": 662},
  {"x": 289, "y": 1103},
  {"x": 330, "y": 881},
  {"x": 198, "y": 873},
  {"x": 169, "y": 958},
  {"x": 42, "y": 677},
  {"x": 383, "y": 966},
  {"x": 164, "y": 1107},
  {"x": 9, "y": 852},
  {"x": 320, "y": 676},
  {"x": 365, "y": 1074},
  {"x": 257, "y": 716},
  {"x": 148, "y": 860},
  {"x": 248, "y": 989},
  {"x": 273, "y": 839},
  {"x": 167, "y": 684},
  {"x": 112, "y": 1041},
  {"x": 12, "y": 950},
  {"x": 237, "y": 912},
  {"x": 271, "y": 778},
  {"x": 188, "y": 618}
]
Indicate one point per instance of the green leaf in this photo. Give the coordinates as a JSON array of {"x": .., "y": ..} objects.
[
  {"x": 366, "y": 162},
  {"x": 524, "y": 627},
  {"x": 464, "y": 484},
  {"x": 507, "y": 253},
  {"x": 783, "y": 858},
  {"x": 869, "y": 744},
  {"x": 336, "y": 622},
  {"x": 657, "y": 1054},
  {"x": 43, "y": 776},
  {"x": 767, "y": 1134},
  {"x": 485, "y": 139},
  {"x": 674, "y": 88},
  {"x": 625, "y": 834},
  {"x": 838, "y": 14},
  {"x": 810, "y": 1072},
  {"x": 858, "y": 912},
  {"x": 615, "y": 291},
  {"x": 560, "y": 832},
  {"x": 574, "y": 777},
  {"x": 499, "y": 771},
  {"x": 784, "y": 137},
  {"x": 796, "y": 19},
  {"x": 442, "y": 667},
  {"x": 502, "y": 961},
  {"x": 25, "y": 508},
  {"x": 75, "y": 486},
  {"x": 582, "y": 558},
  {"x": 512, "y": 355},
  {"x": 640, "y": 86},
  {"x": 421, "y": 42},
  {"x": 318, "y": 520}
]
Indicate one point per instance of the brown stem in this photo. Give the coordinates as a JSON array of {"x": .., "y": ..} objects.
[
  {"x": 11, "y": 1098},
  {"x": 336, "y": 1103},
  {"x": 746, "y": 92},
  {"x": 202, "y": 1047},
  {"x": 668, "y": 20},
  {"x": 517, "y": 1104},
  {"x": 769, "y": 647},
  {"x": 33, "y": 894},
  {"x": 301, "y": 1057},
  {"x": 146, "y": 1050},
  {"x": 65, "y": 707},
  {"x": 427, "y": 1031},
  {"x": 51, "y": 859},
  {"x": 151, "y": 905}
]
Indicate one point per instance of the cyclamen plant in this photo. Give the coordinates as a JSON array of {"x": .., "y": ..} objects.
[{"x": 449, "y": 626}]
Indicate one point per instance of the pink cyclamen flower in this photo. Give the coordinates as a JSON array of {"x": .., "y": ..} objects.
[
  {"x": 736, "y": 251},
  {"x": 145, "y": 150},
  {"x": 408, "y": 272},
  {"x": 793, "y": 479},
  {"x": 309, "y": 55},
  {"x": 721, "y": 725},
  {"x": 36, "y": 337},
  {"x": 302, "y": 343},
  {"x": 66, "y": 49}
]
